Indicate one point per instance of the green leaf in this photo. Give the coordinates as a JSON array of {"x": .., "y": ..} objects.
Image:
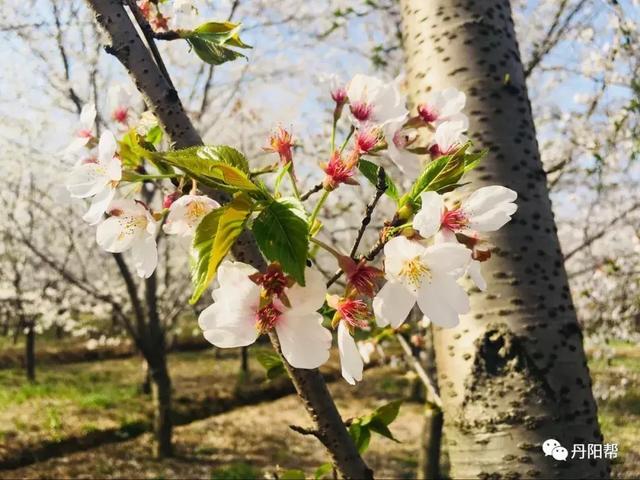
[
  {"x": 282, "y": 233},
  {"x": 154, "y": 135},
  {"x": 322, "y": 471},
  {"x": 387, "y": 413},
  {"x": 380, "y": 428},
  {"x": 370, "y": 171},
  {"x": 211, "y": 42},
  {"x": 292, "y": 475},
  {"x": 272, "y": 363},
  {"x": 443, "y": 174},
  {"x": 220, "y": 167},
  {"x": 361, "y": 436},
  {"x": 225, "y": 154},
  {"x": 213, "y": 239}
]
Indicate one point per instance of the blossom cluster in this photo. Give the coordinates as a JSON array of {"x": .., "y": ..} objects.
[{"x": 428, "y": 246}]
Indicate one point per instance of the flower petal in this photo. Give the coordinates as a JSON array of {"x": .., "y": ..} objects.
[
  {"x": 88, "y": 116},
  {"x": 392, "y": 304},
  {"x": 350, "y": 359},
  {"x": 428, "y": 219},
  {"x": 309, "y": 298},
  {"x": 396, "y": 251},
  {"x": 107, "y": 147},
  {"x": 486, "y": 198},
  {"x": 86, "y": 180},
  {"x": 229, "y": 325},
  {"x": 447, "y": 257},
  {"x": 475, "y": 273},
  {"x": 145, "y": 256},
  {"x": 493, "y": 219},
  {"x": 443, "y": 300},
  {"x": 304, "y": 341},
  {"x": 113, "y": 236},
  {"x": 99, "y": 205}
]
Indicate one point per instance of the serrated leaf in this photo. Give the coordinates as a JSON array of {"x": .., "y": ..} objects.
[
  {"x": 282, "y": 233},
  {"x": 211, "y": 42},
  {"x": 322, "y": 471},
  {"x": 226, "y": 154},
  {"x": 272, "y": 363},
  {"x": 213, "y": 239},
  {"x": 211, "y": 165},
  {"x": 370, "y": 171}
]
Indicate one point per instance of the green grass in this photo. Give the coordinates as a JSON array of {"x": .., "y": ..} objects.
[{"x": 236, "y": 471}]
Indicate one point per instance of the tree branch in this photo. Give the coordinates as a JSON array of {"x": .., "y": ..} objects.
[{"x": 127, "y": 46}]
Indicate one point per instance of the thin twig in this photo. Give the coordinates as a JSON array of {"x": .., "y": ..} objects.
[
  {"x": 381, "y": 186},
  {"x": 422, "y": 374},
  {"x": 314, "y": 189}
]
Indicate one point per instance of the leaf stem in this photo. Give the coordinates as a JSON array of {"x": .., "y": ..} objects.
[
  {"x": 294, "y": 184},
  {"x": 328, "y": 248},
  {"x": 346, "y": 140},
  {"x": 316, "y": 210}
]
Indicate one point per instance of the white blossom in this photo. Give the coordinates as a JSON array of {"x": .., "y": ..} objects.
[{"x": 186, "y": 213}]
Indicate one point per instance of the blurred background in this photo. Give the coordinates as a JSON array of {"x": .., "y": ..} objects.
[{"x": 74, "y": 392}]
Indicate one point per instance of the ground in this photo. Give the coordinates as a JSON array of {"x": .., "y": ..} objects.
[{"x": 250, "y": 437}]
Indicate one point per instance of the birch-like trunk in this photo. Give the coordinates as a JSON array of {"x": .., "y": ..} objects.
[{"x": 513, "y": 373}]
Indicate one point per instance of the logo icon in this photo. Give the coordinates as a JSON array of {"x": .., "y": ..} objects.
[{"x": 552, "y": 447}]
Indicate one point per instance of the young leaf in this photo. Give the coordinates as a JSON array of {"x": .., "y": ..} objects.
[
  {"x": 282, "y": 233},
  {"x": 370, "y": 171},
  {"x": 213, "y": 239},
  {"x": 322, "y": 471},
  {"x": 360, "y": 435},
  {"x": 272, "y": 363},
  {"x": 215, "y": 166},
  {"x": 211, "y": 42},
  {"x": 292, "y": 475}
]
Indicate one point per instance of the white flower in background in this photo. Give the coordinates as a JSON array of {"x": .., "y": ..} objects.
[
  {"x": 448, "y": 138},
  {"x": 130, "y": 226},
  {"x": 398, "y": 139},
  {"x": 186, "y": 213},
  {"x": 121, "y": 101},
  {"x": 485, "y": 210},
  {"x": 97, "y": 178},
  {"x": 85, "y": 130},
  {"x": 371, "y": 101},
  {"x": 444, "y": 106},
  {"x": 426, "y": 275},
  {"x": 366, "y": 349},
  {"x": 236, "y": 319}
]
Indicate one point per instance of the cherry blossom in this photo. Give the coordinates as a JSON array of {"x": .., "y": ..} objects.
[
  {"x": 350, "y": 359},
  {"x": 281, "y": 142},
  {"x": 448, "y": 138},
  {"x": 130, "y": 226},
  {"x": 97, "y": 178},
  {"x": 339, "y": 171},
  {"x": 371, "y": 101},
  {"x": 121, "y": 100},
  {"x": 398, "y": 139},
  {"x": 85, "y": 130},
  {"x": 485, "y": 210},
  {"x": 239, "y": 314},
  {"x": 186, "y": 212},
  {"x": 427, "y": 275},
  {"x": 444, "y": 106}
]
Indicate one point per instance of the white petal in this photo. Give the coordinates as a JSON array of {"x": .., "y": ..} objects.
[
  {"x": 443, "y": 300},
  {"x": 235, "y": 274},
  {"x": 350, "y": 360},
  {"x": 363, "y": 88},
  {"x": 86, "y": 180},
  {"x": 486, "y": 198},
  {"x": 475, "y": 273},
  {"x": 114, "y": 236},
  {"x": 409, "y": 163},
  {"x": 99, "y": 205},
  {"x": 88, "y": 116},
  {"x": 106, "y": 147},
  {"x": 396, "y": 251},
  {"x": 428, "y": 219},
  {"x": 229, "y": 325},
  {"x": 145, "y": 256},
  {"x": 77, "y": 144},
  {"x": 449, "y": 134},
  {"x": 447, "y": 257},
  {"x": 392, "y": 304},
  {"x": 114, "y": 169},
  {"x": 453, "y": 102},
  {"x": 494, "y": 219},
  {"x": 309, "y": 298},
  {"x": 304, "y": 341}
]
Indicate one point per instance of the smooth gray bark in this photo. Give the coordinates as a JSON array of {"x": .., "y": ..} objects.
[{"x": 514, "y": 372}]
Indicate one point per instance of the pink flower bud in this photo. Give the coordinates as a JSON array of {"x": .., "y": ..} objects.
[{"x": 169, "y": 199}]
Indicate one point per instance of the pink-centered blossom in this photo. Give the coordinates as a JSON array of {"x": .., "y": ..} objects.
[
  {"x": 239, "y": 314},
  {"x": 374, "y": 102},
  {"x": 186, "y": 213}
]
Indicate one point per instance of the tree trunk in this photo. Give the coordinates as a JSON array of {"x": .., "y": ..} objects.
[
  {"x": 430, "y": 441},
  {"x": 30, "y": 352},
  {"x": 513, "y": 373},
  {"x": 244, "y": 357},
  {"x": 162, "y": 421}
]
